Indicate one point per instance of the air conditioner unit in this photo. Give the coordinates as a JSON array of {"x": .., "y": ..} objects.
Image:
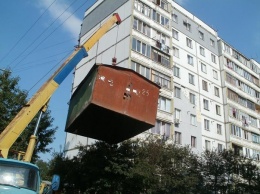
[{"x": 176, "y": 121}]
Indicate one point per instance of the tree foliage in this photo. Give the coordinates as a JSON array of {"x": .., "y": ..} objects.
[
  {"x": 155, "y": 167},
  {"x": 12, "y": 99}
]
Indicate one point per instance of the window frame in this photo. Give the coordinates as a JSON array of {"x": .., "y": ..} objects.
[
  {"x": 193, "y": 119},
  {"x": 219, "y": 129},
  {"x": 193, "y": 142},
  {"x": 204, "y": 68},
  {"x": 177, "y": 92},
  {"x": 202, "y": 51},
  {"x": 218, "y": 110},
  {"x": 205, "y": 85},
  {"x": 177, "y": 137},
  {"x": 164, "y": 104},
  {"x": 191, "y": 79},
  {"x": 206, "y": 104},
  {"x": 192, "y": 98},
  {"x": 189, "y": 42},
  {"x": 215, "y": 74},
  {"x": 176, "y": 52},
  {"x": 213, "y": 58},
  {"x": 206, "y": 124},
  {"x": 175, "y": 34},
  {"x": 207, "y": 145},
  {"x": 201, "y": 35},
  {"x": 190, "y": 60},
  {"x": 176, "y": 71},
  {"x": 216, "y": 91}
]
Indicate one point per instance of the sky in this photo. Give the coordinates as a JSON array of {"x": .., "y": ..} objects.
[{"x": 37, "y": 36}]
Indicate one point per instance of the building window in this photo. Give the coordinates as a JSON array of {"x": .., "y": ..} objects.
[
  {"x": 161, "y": 58},
  {"x": 215, "y": 74},
  {"x": 175, "y": 18},
  {"x": 142, "y": 27},
  {"x": 177, "y": 114},
  {"x": 157, "y": 17},
  {"x": 144, "y": 71},
  {"x": 236, "y": 131},
  {"x": 177, "y": 137},
  {"x": 189, "y": 42},
  {"x": 191, "y": 79},
  {"x": 238, "y": 150},
  {"x": 219, "y": 129},
  {"x": 163, "y": 4},
  {"x": 202, "y": 51},
  {"x": 176, "y": 71},
  {"x": 177, "y": 117},
  {"x": 255, "y": 138},
  {"x": 161, "y": 128},
  {"x": 206, "y": 124},
  {"x": 190, "y": 59},
  {"x": 193, "y": 120},
  {"x": 218, "y": 110},
  {"x": 187, "y": 25},
  {"x": 207, "y": 145},
  {"x": 175, "y": 34},
  {"x": 212, "y": 43},
  {"x": 213, "y": 58},
  {"x": 233, "y": 112},
  {"x": 162, "y": 41},
  {"x": 140, "y": 47},
  {"x": 252, "y": 121},
  {"x": 227, "y": 48},
  {"x": 192, "y": 98},
  {"x": 246, "y": 134},
  {"x": 206, "y": 104},
  {"x": 144, "y": 9},
  {"x": 161, "y": 79},
  {"x": 247, "y": 154},
  {"x": 220, "y": 147},
  {"x": 203, "y": 68},
  {"x": 216, "y": 91},
  {"x": 164, "y": 104},
  {"x": 201, "y": 35},
  {"x": 177, "y": 92},
  {"x": 193, "y": 142},
  {"x": 175, "y": 52},
  {"x": 204, "y": 85}
]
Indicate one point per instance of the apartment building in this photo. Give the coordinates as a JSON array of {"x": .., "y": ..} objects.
[
  {"x": 240, "y": 82},
  {"x": 173, "y": 48},
  {"x": 197, "y": 75}
]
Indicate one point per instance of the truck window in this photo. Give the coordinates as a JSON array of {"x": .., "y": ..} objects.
[{"x": 18, "y": 176}]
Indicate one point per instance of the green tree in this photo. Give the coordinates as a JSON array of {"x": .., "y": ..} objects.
[
  {"x": 44, "y": 169},
  {"x": 12, "y": 99},
  {"x": 213, "y": 170},
  {"x": 130, "y": 167},
  {"x": 155, "y": 167}
]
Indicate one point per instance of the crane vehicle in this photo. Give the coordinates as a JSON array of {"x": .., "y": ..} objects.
[{"x": 22, "y": 176}]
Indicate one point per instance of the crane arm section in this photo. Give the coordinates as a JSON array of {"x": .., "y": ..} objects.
[{"x": 43, "y": 95}]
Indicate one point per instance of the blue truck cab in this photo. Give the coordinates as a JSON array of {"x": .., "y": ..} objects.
[{"x": 18, "y": 177}]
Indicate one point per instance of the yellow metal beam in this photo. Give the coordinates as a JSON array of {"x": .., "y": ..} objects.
[
  {"x": 24, "y": 117},
  {"x": 101, "y": 31}
]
